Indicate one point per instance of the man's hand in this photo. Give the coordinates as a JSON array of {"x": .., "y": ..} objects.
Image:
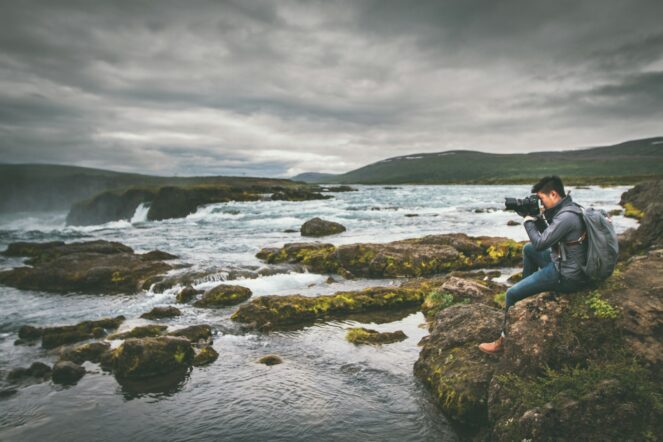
[{"x": 529, "y": 218}]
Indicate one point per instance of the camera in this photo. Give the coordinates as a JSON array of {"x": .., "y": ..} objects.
[{"x": 523, "y": 206}]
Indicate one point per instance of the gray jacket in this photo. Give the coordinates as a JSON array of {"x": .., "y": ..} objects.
[{"x": 564, "y": 225}]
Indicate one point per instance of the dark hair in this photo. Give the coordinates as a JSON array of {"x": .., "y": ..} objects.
[{"x": 549, "y": 183}]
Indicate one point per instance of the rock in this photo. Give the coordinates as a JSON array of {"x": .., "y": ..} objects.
[
  {"x": 187, "y": 294},
  {"x": 615, "y": 212},
  {"x": 339, "y": 189},
  {"x": 649, "y": 234},
  {"x": 52, "y": 337},
  {"x": 430, "y": 255},
  {"x": 161, "y": 312},
  {"x": 37, "y": 370},
  {"x": 158, "y": 255},
  {"x": 270, "y": 360},
  {"x": 298, "y": 195},
  {"x": 512, "y": 223},
  {"x": 90, "y": 267},
  {"x": 107, "y": 206},
  {"x": 223, "y": 295},
  {"x": 67, "y": 373},
  {"x": 319, "y": 227},
  {"x": 454, "y": 290},
  {"x": 205, "y": 356},
  {"x": 411, "y": 215},
  {"x": 636, "y": 199},
  {"x": 29, "y": 332},
  {"x": 139, "y": 358},
  {"x": 290, "y": 231},
  {"x": 360, "y": 335},
  {"x": 330, "y": 280},
  {"x": 277, "y": 311},
  {"x": 144, "y": 331},
  {"x": 452, "y": 365},
  {"x": 87, "y": 352},
  {"x": 195, "y": 333}
]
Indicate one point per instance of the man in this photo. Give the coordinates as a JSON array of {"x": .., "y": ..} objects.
[{"x": 553, "y": 258}]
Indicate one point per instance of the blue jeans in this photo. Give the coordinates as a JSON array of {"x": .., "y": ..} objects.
[{"x": 539, "y": 275}]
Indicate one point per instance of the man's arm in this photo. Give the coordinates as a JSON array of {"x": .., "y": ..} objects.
[{"x": 559, "y": 227}]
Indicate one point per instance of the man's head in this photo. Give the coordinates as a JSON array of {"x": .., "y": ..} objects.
[{"x": 550, "y": 190}]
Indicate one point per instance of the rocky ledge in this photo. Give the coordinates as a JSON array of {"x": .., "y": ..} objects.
[
  {"x": 91, "y": 267},
  {"x": 581, "y": 366},
  {"x": 429, "y": 255},
  {"x": 179, "y": 201}
]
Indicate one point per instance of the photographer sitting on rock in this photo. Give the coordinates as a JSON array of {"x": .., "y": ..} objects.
[{"x": 553, "y": 259}]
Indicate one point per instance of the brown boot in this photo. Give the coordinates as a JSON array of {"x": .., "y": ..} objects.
[{"x": 492, "y": 347}]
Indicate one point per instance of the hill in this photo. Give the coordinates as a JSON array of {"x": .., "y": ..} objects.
[{"x": 622, "y": 163}]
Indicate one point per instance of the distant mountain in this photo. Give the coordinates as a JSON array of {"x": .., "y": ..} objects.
[
  {"x": 625, "y": 162},
  {"x": 30, "y": 187},
  {"x": 311, "y": 177}
]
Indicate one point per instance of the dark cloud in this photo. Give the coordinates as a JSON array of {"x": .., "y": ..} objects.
[{"x": 277, "y": 88}]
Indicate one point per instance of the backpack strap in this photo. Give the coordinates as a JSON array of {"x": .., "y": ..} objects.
[{"x": 583, "y": 237}]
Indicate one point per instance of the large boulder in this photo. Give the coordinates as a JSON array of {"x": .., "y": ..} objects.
[
  {"x": 38, "y": 371},
  {"x": 143, "y": 331},
  {"x": 91, "y": 267},
  {"x": 361, "y": 335},
  {"x": 223, "y": 295},
  {"x": 320, "y": 227},
  {"x": 452, "y": 365},
  {"x": 268, "y": 312},
  {"x": 196, "y": 334},
  {"x": 636, "y": 199},
  {"x": 430, "y": 255},
  {"x": 139, "y": 358}
]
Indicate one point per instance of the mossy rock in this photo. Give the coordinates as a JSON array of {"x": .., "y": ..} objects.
[
  {"x": 143, "y": 331},
  {"x": 223, "y": 295},
  {"x": 162, "y": 312},
  {"x": 88, "y": 267},
  {"x": 452, "y": 365},
  {"x": 417, "y": 257},
  {"x": 52, "y": 337},
  {"x": 270, "y": 360},
  {"x": 205, "y": 356},
  {"x": 275, "y": 311},
  {"x": 320, "y": 227},
  {"x": 187, "y": 294},
  {"x": 139, "y": 358},
  {"x": 195, "y": 333},
  {"x": 360, "y": 335},
  {"x": 86, "y": 352}
]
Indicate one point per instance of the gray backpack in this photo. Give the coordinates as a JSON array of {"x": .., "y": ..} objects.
[{"x": 602, "y": 244}]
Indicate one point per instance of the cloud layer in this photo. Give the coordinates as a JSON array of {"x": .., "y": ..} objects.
[{"x": 278, "y": 88}]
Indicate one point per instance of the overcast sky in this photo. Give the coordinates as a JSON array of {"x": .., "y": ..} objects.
[{"x": 276, "y": 88}]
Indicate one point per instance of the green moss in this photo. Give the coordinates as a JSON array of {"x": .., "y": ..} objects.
[
  {"x": 360, "y": 335},
  {"x": 179, "y": 356},
  {"x": 575, "y": 382},
  {"x": 500, "y": 299},
  {"x": 436, "y": 301},
  {"x": 631, "y": 211},
  {"x": 600, "y": 307}
]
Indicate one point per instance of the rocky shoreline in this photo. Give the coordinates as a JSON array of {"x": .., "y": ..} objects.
[{"x": 581, "y": 366}]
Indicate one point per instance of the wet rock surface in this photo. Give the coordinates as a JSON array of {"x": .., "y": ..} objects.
[
  {"x": 223, "y": 295},
  {"x": 268, "y": 312},
  {"x": 320, "y": 227},
  {"x": 52, "y": 337},
  {"x": 430, "y": 255},
  {"x": 361, "y": 335},
  {"x": 162, "y": 312},
  {"x": 67, "y": 372},
  {"x": 89, "y": 267},
  {"x": 149, "y": 357}
]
